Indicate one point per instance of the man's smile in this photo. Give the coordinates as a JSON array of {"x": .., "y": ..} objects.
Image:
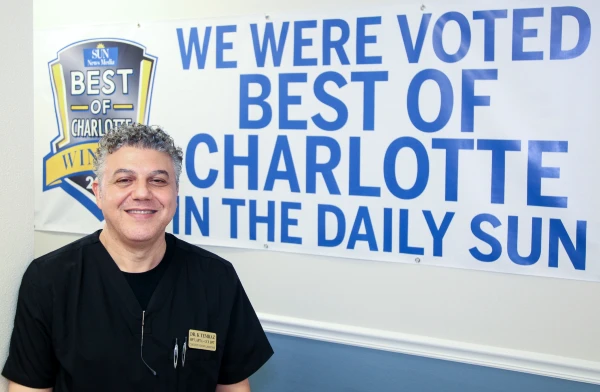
[{"x": 140, "y": 211}]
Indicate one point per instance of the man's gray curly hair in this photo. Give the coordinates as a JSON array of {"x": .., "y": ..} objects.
[{"x": 140, "y": 136}]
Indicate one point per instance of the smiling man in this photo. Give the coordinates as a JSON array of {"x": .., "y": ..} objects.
[{"x": 131, "y": 307}]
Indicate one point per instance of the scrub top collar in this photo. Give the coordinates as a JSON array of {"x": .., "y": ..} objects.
[{"x": 118, "y": 281}]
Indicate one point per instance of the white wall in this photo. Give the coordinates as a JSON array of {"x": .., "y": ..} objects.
[
  {"x": 16, "y": 159},
  {"x": 547, "y": 316}
]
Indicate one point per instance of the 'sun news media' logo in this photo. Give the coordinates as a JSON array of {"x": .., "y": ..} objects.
[
  {"x": 97, "y": 85},
  {"x": 101, "y": 56}
]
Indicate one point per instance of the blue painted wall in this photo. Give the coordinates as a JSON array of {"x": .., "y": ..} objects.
[{"x": 303, "y": 365}]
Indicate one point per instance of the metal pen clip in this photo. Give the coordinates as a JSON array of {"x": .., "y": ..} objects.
[
  {"x": 175, "y": 354},
  {"x": 183, "y": 353}
]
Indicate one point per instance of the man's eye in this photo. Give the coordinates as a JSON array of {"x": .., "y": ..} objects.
[
  {"x": 159, "y": 181},
  {"x": 123, "y": 180}
]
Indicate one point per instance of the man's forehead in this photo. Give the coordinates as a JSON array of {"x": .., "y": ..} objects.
[
  {"x": 139, "y": 160},
  {"x": 136, "y": 154}
]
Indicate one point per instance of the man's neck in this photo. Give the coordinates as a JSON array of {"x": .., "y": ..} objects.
[{"x": 135, "y": 258}]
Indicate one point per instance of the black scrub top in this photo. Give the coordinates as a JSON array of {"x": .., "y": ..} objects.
[{"x": 78, "y": 325}]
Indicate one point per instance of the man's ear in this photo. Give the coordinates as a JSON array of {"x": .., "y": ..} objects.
[{"x": 97, "y": 193}]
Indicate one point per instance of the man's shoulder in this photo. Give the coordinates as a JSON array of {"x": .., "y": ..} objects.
[
  {"x": 65, "y": 256},
  {"x": 205, "y": 260}
]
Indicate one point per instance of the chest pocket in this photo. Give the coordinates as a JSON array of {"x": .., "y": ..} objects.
[
  {"x": 198, "y": 370},
  {"x": 193, "y": 355}
]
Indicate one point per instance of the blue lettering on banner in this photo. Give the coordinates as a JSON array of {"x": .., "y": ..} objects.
[
  {"x": 338, "y": 45},
  {"x": 282, "y": 150},
  {"x": 335, "y": 103},
  {"x": 535, "y": 173},
  {"x": 269, "y": 42},
  {"x": 362, "y": 39},
  {"x": 332, "y": 226},
  {"x": 246, "y": 101},
  {"x": 193, "y": 214},
  {"x": 469, "y": 99},
  {"x": 250, "y": 161},
  {"x": 520, "y": 33},
  {"x": 577, "y": 252},
  {"x": 355, "y": 187},
  {"x": 557, "y": 234},
  {"x": 285, "y": 100},
  {"x": 489, "y": 19},
  {"x": 323, "y": 211},
  {"x": 193, "y": 46},
  {"x": 389, "y": 168},
  {"x": 585, "y": 31},
  {"x": 202, "y": 221},
  {"x": 490, "y": 240},
  {"x": 267, "y": 154},
  {"x": 446, "y": 104},
  {"x": 369, "y": 79},
  {"x": 222, "y": 46},
  {"x": 325, "y": 168},
  {"x": 282, "y": 169},
  {"x": 498, "y": 149},
  {"x": 233, "y": 214},
  {"x": 404, "y": 231},
  {"x": 465, "y": 37},
  {"x": 300, "y": 42},
  {"x": 452, "y": 147},
  {"x": 190, "y": 158},
  {"x": 513, "y": 241},
  {"x": 413, "y": 50},
  {"x": 287, "y": 221},
  {"x": 438, "y": 233},
  {"x": 363, "y": 219},
  {"x": 268, "y": 219},
  {"x": 387, "y": 229}
]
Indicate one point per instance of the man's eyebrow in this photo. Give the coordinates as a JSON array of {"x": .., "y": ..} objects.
[
  {"x": 157, "y": 172},
  {"x": 130, "y": 172},
  {"x": 125, "y": 171}
]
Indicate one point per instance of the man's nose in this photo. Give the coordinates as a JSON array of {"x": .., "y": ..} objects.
[{"x": 141, "y": 191}]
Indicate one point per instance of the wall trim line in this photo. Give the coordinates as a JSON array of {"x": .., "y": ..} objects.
[{"x": 501, "y": 358}]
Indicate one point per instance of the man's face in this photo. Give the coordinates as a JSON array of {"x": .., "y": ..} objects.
[{"x": 138, "y": 194}]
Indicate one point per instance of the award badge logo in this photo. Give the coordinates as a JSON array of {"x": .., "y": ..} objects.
[{"x": 97, "y": 85}]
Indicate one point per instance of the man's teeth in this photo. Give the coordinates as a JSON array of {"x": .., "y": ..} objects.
[{"x": 140, "y": 211}]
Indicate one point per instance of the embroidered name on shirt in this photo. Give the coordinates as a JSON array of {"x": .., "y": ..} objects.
[{"x": 202, "y": 340}]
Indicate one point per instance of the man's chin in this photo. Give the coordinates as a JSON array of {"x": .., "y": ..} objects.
[
  {"x": 141, "y": 236},
  {"x": 137, "y": 232}
]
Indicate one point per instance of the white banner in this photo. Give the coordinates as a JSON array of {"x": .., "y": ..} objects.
[{"x": 451, "y": 136}]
